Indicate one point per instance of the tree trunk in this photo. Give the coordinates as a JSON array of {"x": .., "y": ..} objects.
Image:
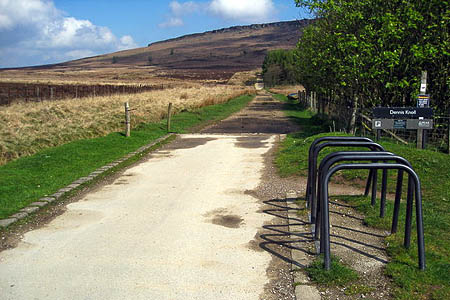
[{"x": 352, "y": 124}]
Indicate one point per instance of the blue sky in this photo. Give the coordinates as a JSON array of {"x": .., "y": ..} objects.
[{"x": 35, "y": 32}]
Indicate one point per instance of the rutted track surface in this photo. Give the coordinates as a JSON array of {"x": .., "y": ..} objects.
[
  {"x": 263, "y": 115},
  {"x": 183, "y": 224},
  {"x": 202, "y": 218}
]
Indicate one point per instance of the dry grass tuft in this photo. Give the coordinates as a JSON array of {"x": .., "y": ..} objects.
[
  {"x": 26, "y": 128},
  {"x": 244, "y": 78},
  {"x": 184, "y": 96}
]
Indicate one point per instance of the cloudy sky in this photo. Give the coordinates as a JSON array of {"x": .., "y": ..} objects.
[{"x": 36, "y": 32}]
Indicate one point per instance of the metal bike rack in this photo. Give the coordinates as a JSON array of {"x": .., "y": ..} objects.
[
  {"x": 325, "y": 228},
  {"x": 384, "y": 185},
  {"x": 330, "y": 139},
  {"x": 335, "y": 157},
  {"x": 371, "y": 145}
]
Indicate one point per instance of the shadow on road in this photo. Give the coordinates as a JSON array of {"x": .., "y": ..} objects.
[
  {"x": 282, "y": 237},
  {"x": 349, "y": 236}
]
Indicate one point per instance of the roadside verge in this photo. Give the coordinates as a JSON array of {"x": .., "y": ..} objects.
[
  {"x": 399, "y": 276},
  {"x": 29, "y": 183}
]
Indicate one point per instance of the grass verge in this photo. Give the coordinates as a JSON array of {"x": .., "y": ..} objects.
[
  {"x": 29, "y": 178},
  {"x": 30, "y": 127},
  {"x": 338, "y": 275},
  {"x": 432, "y": 168}
]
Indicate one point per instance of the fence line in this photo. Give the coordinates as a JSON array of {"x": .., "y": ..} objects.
[
  {"x": 35, "y": 92},
  {"x": 340, "y": 112}
]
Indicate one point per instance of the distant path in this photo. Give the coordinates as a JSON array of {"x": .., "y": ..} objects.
[
  {"x": 263, "y": 115},
  {"x": 181, "y": 224}
]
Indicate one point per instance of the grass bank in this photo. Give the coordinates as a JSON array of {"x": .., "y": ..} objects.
[
  {"x": 27, "y": 128},
  {"x": 433, "y": 170},
  {"x": 27, "y": 179}
]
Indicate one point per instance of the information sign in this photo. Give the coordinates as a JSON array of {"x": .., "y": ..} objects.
[
  {"x": 402, "y": 112},
  {"x": 399, "y": 124},
  {"x": 423, "y": 100},
  {"x": 412, "y": 124}
]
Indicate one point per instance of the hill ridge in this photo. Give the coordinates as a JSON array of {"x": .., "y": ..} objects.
[
  {"x": 293, "y": 23},
  {"x": 212, "y": 55}
]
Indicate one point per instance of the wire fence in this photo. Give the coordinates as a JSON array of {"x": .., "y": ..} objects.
[
  {"x": 35, "y": 92},
  {"x": 340, "y": 113},
  {"x": 434, "y": 139}
]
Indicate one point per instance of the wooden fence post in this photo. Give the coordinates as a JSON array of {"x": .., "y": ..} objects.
[
  {"x": 419, "y": 138},
  {"x": 51, "y": 93},
  {"x": 169, "y": 116},
  {"x": 127, "y": 119}
]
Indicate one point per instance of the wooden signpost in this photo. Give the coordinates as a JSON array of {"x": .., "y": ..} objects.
[
  {"x": 408, "y": 118},
  {"x": 420, "y": 132}
]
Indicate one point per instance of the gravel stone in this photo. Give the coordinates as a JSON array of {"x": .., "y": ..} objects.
[
  {"x": 65, "y": 190},
  {"x": 30, "y": 209},
  {"x": 39, "y": 204},
  {"x": 47, "y": 199},
  {"x": 57, "y": 195},
  {"x": 81, "y": 181},
  {"x": 20, "y": 215},
  {"x": 6, "y": 222},
  {"x": 73, "y": 185}
]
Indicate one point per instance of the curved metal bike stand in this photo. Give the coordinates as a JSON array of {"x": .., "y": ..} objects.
[
  {"x": 371, "y": 145},
  {"x": 325, "y": 229},
  {"x": 335, "y": 157},
  {"x": 335, "y": 139},
  {"x": 339, "y": 153}
]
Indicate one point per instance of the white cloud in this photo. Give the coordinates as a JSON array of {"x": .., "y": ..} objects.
[
  {"x": 172, "y": 22},
  {"x": 238, "y": 10},
  {"x": 127, "y": 42},
  {"x": 177, "y": 11},
  {"x": 25, "y": 12},
  {"x": 36, "y": 32},
  {"x": 243, "y": 10}
]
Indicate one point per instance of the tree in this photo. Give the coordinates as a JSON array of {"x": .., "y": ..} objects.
[
  {"x": 373, "y": 51},
  {"x": 279, "y": 67}
]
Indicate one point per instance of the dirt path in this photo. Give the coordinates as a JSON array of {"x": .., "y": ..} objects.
[
  {"x": 262, "y": 115},
  {"x": 183, "y": 224},
  {"x": 204, "y": 217}
]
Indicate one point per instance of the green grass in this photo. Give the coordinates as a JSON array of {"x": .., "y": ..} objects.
[
  {"x": 433, "y": 169},
  {"x": 338, "y": 275},
  {"x": 29, "y": 178},
  {"x": 358, "y": 289},
  {"x": 293, "y": 157}
]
